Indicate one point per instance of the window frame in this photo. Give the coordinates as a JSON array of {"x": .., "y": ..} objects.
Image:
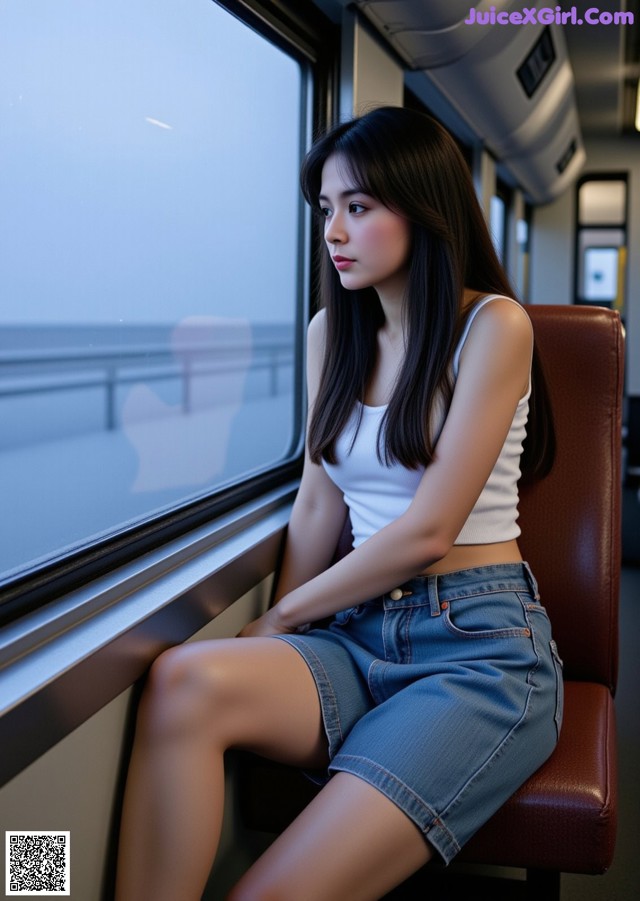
[
  {"x": 64, "y": 662},
  {"x": 300, "y": 30},
  {"x": 504, "y": 193},
  {"x": 580, "y": 229},
  {"x": 78, "y": 633}
]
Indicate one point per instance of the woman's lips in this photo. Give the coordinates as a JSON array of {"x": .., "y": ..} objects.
[{"x": 342, "y": 262}]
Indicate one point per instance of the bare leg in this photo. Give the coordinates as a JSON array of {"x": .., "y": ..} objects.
[
  {"x": 201, "y": 699},
  {"x": 351, "y": 842}
]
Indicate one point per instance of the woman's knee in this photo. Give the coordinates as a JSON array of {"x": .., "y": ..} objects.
[{"x": 182, "y": 691}]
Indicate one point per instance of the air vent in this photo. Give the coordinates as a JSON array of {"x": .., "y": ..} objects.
[
  {"x": 567, "y": 156},
  {"x": 537, "y": 63}
]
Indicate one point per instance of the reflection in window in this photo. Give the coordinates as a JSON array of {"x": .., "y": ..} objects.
[{"x": 149, "y": 263}]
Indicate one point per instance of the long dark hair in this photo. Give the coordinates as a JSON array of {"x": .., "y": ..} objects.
[{"x": 408, "y": 162}]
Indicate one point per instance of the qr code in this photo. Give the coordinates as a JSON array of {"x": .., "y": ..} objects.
[{"x": 37, "y": 863}]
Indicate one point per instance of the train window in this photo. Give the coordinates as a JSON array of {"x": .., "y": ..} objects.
[
  {"x": 521, "y": 248},
  {"x": 151, "y": 266},
  {"x": 500, "y": 211},
  {"x": 600, "y": 273},
  {"x": 601, "y": 240},
  {"x": 602, "y": 202},
  {"x": 497, "y": 223}
]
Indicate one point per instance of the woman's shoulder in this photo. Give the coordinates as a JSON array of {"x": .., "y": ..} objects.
[
  {"x": 497, "y": 312},
  {"x": 316, "y": 339},
  {"x": 317, "y": 332},
  {"x": 318, "y": 324},
  {"x": 499, "y": 302},
  {"x": 495, "y": 322}
]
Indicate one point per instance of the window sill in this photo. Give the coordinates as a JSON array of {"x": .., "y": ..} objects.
[{"x": 62, "y": 663}]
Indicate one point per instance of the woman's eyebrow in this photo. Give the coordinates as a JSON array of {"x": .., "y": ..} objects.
[{"x": 348, "y": 193}]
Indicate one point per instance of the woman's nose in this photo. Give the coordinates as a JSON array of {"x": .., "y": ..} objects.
[{"x": 334, "y": 232}]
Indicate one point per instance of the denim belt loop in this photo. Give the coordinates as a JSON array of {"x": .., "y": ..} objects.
[
  {"x": 531, "y": 579},
  {"x": 434, "y": 600}
]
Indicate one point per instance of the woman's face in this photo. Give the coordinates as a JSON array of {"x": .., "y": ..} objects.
[{"x": 369, "y": 244}]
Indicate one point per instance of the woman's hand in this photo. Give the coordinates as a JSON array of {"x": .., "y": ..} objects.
[{"x": 267, "y": 624}]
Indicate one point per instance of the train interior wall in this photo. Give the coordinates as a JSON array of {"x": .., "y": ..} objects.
[{"x": 552, "y": 247}]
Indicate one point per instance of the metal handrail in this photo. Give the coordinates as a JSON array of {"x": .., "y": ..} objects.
[{"x": 27, "y": 373}]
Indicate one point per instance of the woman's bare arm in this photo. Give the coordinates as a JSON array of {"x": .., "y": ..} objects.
[
  {"x": 494, "y": 374},
  {"x": 319, "y": 511}
]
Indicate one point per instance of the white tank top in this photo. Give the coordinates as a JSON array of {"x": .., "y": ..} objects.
[{"x": 377, "y": 494}]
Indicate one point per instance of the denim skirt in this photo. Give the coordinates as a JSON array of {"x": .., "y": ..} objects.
[{"x": 445, "y": 694}]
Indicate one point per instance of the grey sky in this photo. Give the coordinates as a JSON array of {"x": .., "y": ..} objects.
[{"x": 148, "y": 164}]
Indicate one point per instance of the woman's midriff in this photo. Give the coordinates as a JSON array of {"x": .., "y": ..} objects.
[{"x": 467, "y": 556}]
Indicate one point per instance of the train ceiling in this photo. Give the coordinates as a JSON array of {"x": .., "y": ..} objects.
[{"x": 530, "y": 91}]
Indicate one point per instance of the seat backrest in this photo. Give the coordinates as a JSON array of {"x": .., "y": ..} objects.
[{"x": 571, "y": 520}]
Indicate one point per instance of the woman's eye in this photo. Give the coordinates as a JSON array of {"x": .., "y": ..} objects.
[
  {"x": 325, "y": 212},
  {"x": 356, "y": 208}
]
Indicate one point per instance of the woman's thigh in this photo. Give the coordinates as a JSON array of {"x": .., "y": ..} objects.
[
  {"x": 351, "y": 842},
  {"x": 252, "y": 693}
]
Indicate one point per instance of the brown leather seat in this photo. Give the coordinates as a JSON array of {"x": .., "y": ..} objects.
[{"x": 563, "y": 819}]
